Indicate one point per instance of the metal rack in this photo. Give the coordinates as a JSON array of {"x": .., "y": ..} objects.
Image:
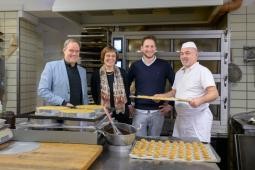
[
  {"x": 93, "y": 40},
  {"x": 2, "y": 68}
]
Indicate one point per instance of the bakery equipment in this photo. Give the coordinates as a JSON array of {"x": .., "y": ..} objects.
[
  {"x": 57, "y": 156},
  {"x": 127, "y": 137},
  {"x": 160, "y": 98},
  {"x": 243, "y": 123},
  {"x": 173, "y": 150},
  {"x": 54, "y": 127},
  {"x": 115, "y": 129},
  {"x": 5, "y": 132}
]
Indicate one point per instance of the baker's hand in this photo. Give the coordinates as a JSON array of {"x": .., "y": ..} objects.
[
  {"x": 196, "y": 102},
  {"x": 165, "y": 109}
]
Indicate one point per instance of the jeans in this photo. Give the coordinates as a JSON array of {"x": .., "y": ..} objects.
[{"x": 148, "y": 122}]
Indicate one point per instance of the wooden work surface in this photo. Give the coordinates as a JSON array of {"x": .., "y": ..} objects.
[{"x": 53, "y": 156}]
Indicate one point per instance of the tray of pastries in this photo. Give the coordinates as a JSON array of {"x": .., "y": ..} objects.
[
  {"x": 174, "y": 151},
  {"x": 160, "y": 98},
  {"x": 80, "y": 111}
]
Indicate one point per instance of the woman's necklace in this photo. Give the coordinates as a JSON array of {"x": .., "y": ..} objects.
[{"x": 109, "y": 73}]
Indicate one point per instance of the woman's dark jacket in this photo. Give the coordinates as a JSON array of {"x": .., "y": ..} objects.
[{"x": 96, "y": 94}]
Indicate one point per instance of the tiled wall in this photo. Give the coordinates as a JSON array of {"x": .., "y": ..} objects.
[
  {"x": 242, "y": 25},
  {"x": 31, "y": 55},
  {"x": 9, "y": 26},
  {"x": 53, "y": 41}
]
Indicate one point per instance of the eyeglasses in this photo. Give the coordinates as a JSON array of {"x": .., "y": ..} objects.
[{"x": 74, "y": 51}]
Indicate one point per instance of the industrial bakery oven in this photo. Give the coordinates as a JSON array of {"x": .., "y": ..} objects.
[{"x": 214, "y": 51}]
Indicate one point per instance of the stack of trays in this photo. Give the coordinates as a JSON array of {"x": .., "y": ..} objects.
[
  {"x": 78, "y": 113},
  {"x": 173, "y": 151},
  {"x": 50, "y": 110},
  {"x": 81, "y": 111}
]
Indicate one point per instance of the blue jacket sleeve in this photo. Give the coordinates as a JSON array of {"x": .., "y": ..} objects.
[{"x": 45, "y": 87}]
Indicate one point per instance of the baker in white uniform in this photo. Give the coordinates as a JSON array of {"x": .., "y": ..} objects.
[{"x": 195, "y": 82}]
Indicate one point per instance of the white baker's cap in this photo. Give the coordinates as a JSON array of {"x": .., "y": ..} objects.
[{"x": 189, "y": 44}]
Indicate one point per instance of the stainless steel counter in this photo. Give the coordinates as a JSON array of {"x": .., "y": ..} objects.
[{"x": 112, "y": 160}]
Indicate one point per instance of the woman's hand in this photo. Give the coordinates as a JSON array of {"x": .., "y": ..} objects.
[{"x": 131, "y": 109}]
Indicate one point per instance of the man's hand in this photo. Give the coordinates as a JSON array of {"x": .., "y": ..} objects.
[
  {"x": 69, "y": 105},
  {"x": 196, "y": 102},
  {"x": 165, "y": 109},
  {"x": 159, "y": 96}
]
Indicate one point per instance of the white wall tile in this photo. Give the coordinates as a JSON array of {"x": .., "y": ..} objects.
[
  {"x": 250, "y": 9},
  {"x": 238, "y": 43},
  {"x": 11, "y": 74},
  {"x": 11, "y": 103},
  {"x": 11, "y": 22},
  {"x": 234, "y": 111},
  {"x": 251, "y": 26},
  {"x": 238, "y": 35},
  {"x": 12, "y": 96},
  {"x": 250, "y": 18},
  {"x": 251, "y": 86},
  {"x": 10, "y": 15},
  {"x": 238, "y": 95},
  {"x": 238, "y": 86},
  {"x": 11, "y": 89},
  {"x": 251, "y": 95},
  {"x": 251, "y": 104},
  {"x": 11, "y": 82},
  {"x": 238, "y": 27},
  {"x": 10, "y": 30},
  {"x": 238, "y": 103},
  {"x": 251, "y": 35},
  {"x": 236, "y": 52},
  {"x": 11, "y": 66},
  {"x": 1, "y": 15},
  {"x": 239, "y": 11},
  {"x": 237, "y": 18}
]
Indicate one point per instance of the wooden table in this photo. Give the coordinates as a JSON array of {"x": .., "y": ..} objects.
[{"x": 53, "y": 156}]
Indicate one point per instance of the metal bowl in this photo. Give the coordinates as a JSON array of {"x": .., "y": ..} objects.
[{"x": 127, "y": 137}]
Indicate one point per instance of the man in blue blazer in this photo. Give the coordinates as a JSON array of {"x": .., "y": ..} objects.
[{"x": 64, "y": 82}]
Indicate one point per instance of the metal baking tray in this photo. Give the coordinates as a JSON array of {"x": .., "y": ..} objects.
[
  {"x": 90, "y": 119},
  {"x": 213, "y": 155}
]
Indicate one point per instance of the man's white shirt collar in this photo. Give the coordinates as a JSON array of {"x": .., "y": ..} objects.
[
  {"x": 151, "y": 62},
  {"x": 190, "y": 68}
]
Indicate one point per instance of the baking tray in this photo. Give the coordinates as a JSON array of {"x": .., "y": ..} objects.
[
  {"x": 160, "y": 98},
  {"x": 91, "y": 119},
  {"x": 87, "y": 116},
  {"x": 158, "y": 154}
]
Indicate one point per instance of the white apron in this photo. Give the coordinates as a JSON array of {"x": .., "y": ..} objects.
[{"x": 193, "y": 122}]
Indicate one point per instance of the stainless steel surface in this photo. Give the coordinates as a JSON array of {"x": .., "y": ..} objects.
[
  {"x": 43, "y": 122},
  {"x": 17, "y": 147},
  {"x": 120, "y": 140},
  {"x": 2, "y": 122},
  {"x": 119, "y": 149},
  {"x": 57, "y": 135},
  {"x": 109, "y": 160}
]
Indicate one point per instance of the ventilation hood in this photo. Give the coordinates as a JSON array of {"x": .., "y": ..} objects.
[{"x": 137, "y": 12}]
